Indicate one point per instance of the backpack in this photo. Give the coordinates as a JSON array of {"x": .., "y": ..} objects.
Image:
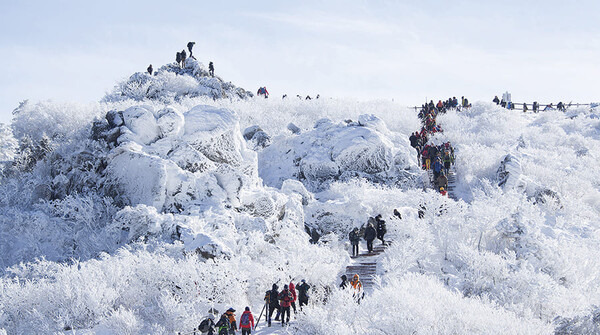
[
  {"x": 204, "y": 325},
  {"x": 245, "y": 319},
  {"x": 223, "y": 322}
]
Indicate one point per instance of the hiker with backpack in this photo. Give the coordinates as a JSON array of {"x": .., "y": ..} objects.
[
  {"x": 344, "y": 282},
  {"x": 272, "y": 302},
  {"x": 224, "y": 325},
  {"x": 354, "y": 239},
  {"x": 190, "y": 45},
  {"x": 370, "y": 234},
  {"x": 292, "y": 288},
  {"x": 303, "y": 293},
  {"x": 247, "y": 321},
  {"x": 150, "y": 69},
  {"x": 178, "y": 59},
  {"x": 381, "y": 228},
  {"x": 232, "y": 322},
  {"x": 442, "y": 181},
  {"x": 183, "y": 58},
  {"x": 285, "y": 301},
  {"x": 207, "y": 325},
  {"x": 358, "y": 288},
  {"x": 211, "y": 69}
]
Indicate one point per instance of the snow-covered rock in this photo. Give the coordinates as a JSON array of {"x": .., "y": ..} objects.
[
  {"x": 335, "y": 151},
  {"x": 171, "y": 83}
]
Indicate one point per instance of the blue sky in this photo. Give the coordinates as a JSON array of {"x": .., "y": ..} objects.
[{"x": 407, "y": 51}]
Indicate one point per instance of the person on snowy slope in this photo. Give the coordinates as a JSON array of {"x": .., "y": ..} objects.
[
  {"x": 272, "y": 303},
  {"x": 437, "y": 168},
  {"x": 223, "y": 325},
  {"x": 370, "y": 234},
  {"x": 303, "y": 293},
  {"x": 246, "y": 321},
  {"x": 381, "y": 228},
  {"x": 354, "y": 239},
  {"x": 357, "y": 286},
  {"x": 285, "y": 298},
  {"x": 344, "y": 282},
  {"x": 292, "y": 288},
  {"x": 231, "y": 316},
  {"x": 190, "y": 45}
]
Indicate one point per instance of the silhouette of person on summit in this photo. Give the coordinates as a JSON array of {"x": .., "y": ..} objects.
[
  {"x": 183, "y": 57},
  {"x": 178, "y": 59},
  {"x": 190, "y": 45},
  {"x": 211, "y": 69},
  {"x": 150, "y": 69}
]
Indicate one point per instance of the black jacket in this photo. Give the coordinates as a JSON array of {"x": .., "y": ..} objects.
[{"x": 370, "y": 233}]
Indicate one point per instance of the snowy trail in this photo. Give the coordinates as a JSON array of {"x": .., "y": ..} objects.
[{"x": 365, "y": 265}]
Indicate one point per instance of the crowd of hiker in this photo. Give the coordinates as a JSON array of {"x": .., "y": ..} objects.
[
  {"x": 507, "y": 103},
  {"x": 282, "y": 301},
  {"x": 376, "y": 228},
  {"x": 438, "y": 158},
  {"x": 182, "y": 56}
]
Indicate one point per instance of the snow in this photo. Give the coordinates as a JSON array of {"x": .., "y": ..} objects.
[{"x": 140, "y": 213}]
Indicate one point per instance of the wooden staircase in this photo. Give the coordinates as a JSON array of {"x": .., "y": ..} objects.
[{"x": 365, "y": 265}]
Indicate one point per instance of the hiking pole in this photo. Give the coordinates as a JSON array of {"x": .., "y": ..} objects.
[{"x": 263, "y": 309}]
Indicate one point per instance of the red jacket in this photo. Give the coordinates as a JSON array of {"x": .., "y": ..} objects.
[
  {"x": 293, "y": 290},
  {"x": 250, "y": 318}
]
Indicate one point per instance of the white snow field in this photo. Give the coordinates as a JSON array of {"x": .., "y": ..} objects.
[{"x": 138, "y": 214}]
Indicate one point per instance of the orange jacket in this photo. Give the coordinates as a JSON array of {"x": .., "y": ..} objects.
[{"x": 356, "y": 283}]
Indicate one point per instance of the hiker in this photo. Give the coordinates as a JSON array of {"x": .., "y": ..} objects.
[
  {"x": 496, "y": 100},
  {"x": 442, "y": 181},
  {"x": 303, "y": 293},
  {"x": 548, "y": 107},
  {"x": 358, "y": 288},
  {"x": 421, "y": 211},
  {"x": 560, "y": 106},
  {"x": 231, "y": 317},
  {"x": 413, "y": 139},
  {"x": 466, "y": 103},
  {"x": 224, "y": 325},
  {"x": 246, "y": 321},
  {"x": 447, "y": 159},
  {"x": 524, "y": 107},
  {"x": 285, "y": 301},
  {"x": 292, "y": 288},
  {"x": 536, "y": 107},
  {"x": 178, "y": 59},
  {"x": 443, "y": 191},
  {"x": 437, "y": 168},
  {"x": 183, "y": 57},
  {"x": 381, "y": 228},
  {"x": 284, "y": 96},
  {"x": 190, "y": 45},
  {"x": 370, "y": 234},
  {"x": 149, "y": 69},
  {"x": 272, "y": 303},
  {"x": 344, "y": 283},
  {"x": 397, "y": 214},
  {"x": 308, "y": 97},
  {"x": 211, "y": 69},
  {"x": 207, "y": 325},
  {"x": 354, "y": 239},
  {"x": 263, "y": 91}
]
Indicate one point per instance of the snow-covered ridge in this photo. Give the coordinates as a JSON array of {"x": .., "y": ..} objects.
[{"x": 171, "y": 211}]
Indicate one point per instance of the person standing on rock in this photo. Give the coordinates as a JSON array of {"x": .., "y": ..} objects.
[
  {"x": 303, "y": 293},
  {"x": 190, "y": 45},
  {"x": 381, "y": 228},
  {"x": 183, "y": 58},
  {"x": 149, "y": 69},
  {"x": 178, "y": 59},
  {"x": 370, "y": 234},
  {"x": 354, "y": 239},
  {"x": 211, "y": 69}
]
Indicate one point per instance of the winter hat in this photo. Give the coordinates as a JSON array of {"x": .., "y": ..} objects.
[
  {"x": 247, "y": 309},
  {"x": 285, "y": 287},
  {"x": 231, "y": 309},
  {"x": 304, "y": 281},
  {"x": 344, "y": 277}
]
